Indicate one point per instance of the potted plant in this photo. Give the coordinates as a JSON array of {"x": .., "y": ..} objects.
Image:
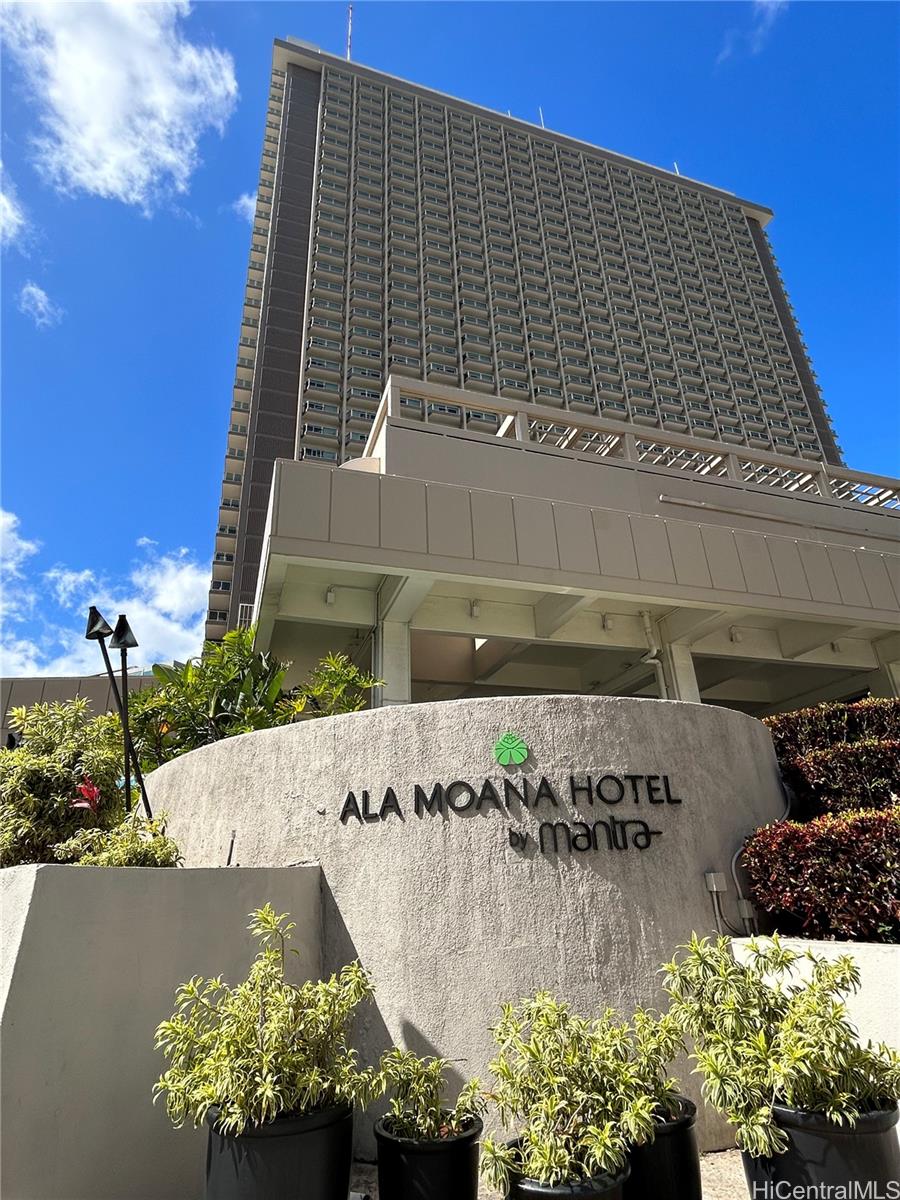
[
  {"x": 579, "y": 1097},
  {"x": 268, "y": 1066},
  {"x": 425, "y": 1147},
  {"x": 666, "y": 1166},
  {"x": 779, "y": 1058}
]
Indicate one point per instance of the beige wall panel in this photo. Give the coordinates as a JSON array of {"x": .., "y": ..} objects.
[
  {"x": 26, "y": 692},
  {"x": 403, "y": 523},
  {"x": 819, "y": 575},
  {"x": 651, "y": 546},
  {"x": 304, "y": 495},
  {"x": 355, "y": 507},
  {"x": 688, "y": 555},
  {"x": 877, "y": 580},
  {"x": 615, "y": 545},
  {"x": 493, "y": 527},
  {"x": 848, "y": 575},
  {"x": 604, "y": 484},
  {"x": 55, "y": 690},
  {"x": 756, "y": 563},
  {"x": 724, "y": 560},
  {"x": 788, "y": 568},
  {"x": 575, "y": 538},
  {"x": 535, "y": 533},
  {"x": 449, "y": 521},
  {"x": 892, "y": 562}
]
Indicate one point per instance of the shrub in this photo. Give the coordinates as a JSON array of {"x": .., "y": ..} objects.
[
  {"x": 235, "y": 689},
  {"x": 796, "y": 733},
  {"x": 839, "y": 756},
  {"x": 133, "y": 843},
  {"x": 266, "y": 1046},
  {"x": 61, "y": 778},
  {"x": 578, "y": 1092},
  {"x": 418, "y": 1104},
  {"x": 862, "y": 774},
  {"x": 762, "y": 1038},
  {"x": 835, "y": 877}
]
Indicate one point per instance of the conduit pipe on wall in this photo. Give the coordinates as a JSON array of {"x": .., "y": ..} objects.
[
  {"x": 652, "y": 655},
  {"x": 745, "y": 907}
]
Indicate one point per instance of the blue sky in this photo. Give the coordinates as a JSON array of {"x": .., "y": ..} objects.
[{"x": 125, "y": 248}]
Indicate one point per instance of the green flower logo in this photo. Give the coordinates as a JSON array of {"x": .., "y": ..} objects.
[{"x": 510, "y": 750}]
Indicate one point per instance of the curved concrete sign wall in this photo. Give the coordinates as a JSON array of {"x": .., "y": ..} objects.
[{"x": 475, "y": 850}]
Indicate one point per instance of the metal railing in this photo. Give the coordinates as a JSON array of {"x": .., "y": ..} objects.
[{"x": 452, "y": 408}]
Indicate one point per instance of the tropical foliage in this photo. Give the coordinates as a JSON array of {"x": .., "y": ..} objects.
[
  {"x": 235, "y": 689},
  {"x": 764, "y": 1034},
  {"x": 419, "y": 1107},
  {"x": 834, "y": 877},
  {"x": 134, "y": 842},
  {"x": 61, "y": 799},
  {"x": 577, "y": 1092},
  {"x": 266, "y": 1046}
]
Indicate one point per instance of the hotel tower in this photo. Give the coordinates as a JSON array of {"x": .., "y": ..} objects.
[{"x": 513, "y": 413}]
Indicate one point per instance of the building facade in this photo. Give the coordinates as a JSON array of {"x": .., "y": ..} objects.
[{"x": 421, "y": 264}]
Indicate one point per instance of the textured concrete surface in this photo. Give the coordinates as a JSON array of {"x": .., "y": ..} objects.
[
  {"x": 874, "y": 1009},
  {"x": 98, "y": 955},
  {"x": 450, "y": 918}
]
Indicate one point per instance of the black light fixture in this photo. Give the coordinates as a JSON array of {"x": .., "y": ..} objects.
[
  {"x": 97, "y": 627},
  {"x": 122, "y": 639}
]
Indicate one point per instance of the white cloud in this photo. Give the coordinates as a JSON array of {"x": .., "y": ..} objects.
[
  {"x": 13, "y": 222},
  {"x": 245, "y": 206},
  {"x": 35, "y": 303},
  {"x": 14, "y": 549},
  {"x": 173, "y": 585},
  {"x": 765, "y": 14},
  {"x": 165, "y": 598},
  {"x": 66, "y": 584},
  {"x": 763, "y": 17},
  {"x": 123, "y": 97},
  {"x": 145, "y": 541}
]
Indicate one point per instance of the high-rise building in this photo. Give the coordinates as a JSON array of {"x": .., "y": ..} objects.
[{"x": 422, "y": 264}]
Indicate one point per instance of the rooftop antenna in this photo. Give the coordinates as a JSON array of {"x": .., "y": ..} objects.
[
  {"x": 349, "y": 29},
  {"x": 674, "y": 164},
  {"x": 541, "y": 115}
]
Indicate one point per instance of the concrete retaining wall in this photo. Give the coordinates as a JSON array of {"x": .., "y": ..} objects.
[
  {"x": 874, "y": 1009},
  {"x": 91, "y": 959},
  {"x": 448, "y": 909}
]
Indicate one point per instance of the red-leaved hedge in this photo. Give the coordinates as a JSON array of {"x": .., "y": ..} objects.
[
  {"x": 834, "y": 877},
  {"x": 847, "y": 775},
  {"x": 797, "y": 733},
  {"x": 837, "y": 757}
]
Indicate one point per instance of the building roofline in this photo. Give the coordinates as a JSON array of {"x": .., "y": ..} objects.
[{"x": 304, "y": 54}]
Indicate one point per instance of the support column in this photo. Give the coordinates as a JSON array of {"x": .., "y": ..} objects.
[
  {"x": 681, "y": 678},
  {"x": 392, "y": 664},
  {"x": 886, "y": 681}
]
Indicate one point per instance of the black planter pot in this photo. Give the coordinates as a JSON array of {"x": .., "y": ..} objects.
[
  {"x": 291, "y": 1158},
  {"x": 667, "y": 1168},
  {"x": 441, "y": 1170},
  {"x": 600, "y": 1187},
  {"x": 821, "y": 1152}
]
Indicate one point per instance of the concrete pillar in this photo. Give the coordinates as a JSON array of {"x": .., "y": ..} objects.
[
  {"x": 681, "y": 679},
  {"x": 392, "y": 663},
  {"x": 886, "y": 680}
]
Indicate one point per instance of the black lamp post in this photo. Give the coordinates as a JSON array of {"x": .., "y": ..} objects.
[{"x": 122, "y": 639}]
